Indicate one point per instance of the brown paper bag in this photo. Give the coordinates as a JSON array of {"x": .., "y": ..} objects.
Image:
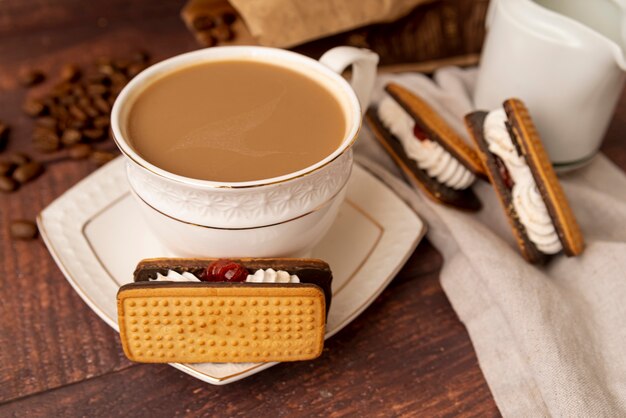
[{"x": 285, "y": 23}]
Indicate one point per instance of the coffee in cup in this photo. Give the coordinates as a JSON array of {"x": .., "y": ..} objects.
[{"x": 235, "y": 120}]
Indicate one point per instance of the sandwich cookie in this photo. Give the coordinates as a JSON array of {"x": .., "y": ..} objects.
[
  {"x": 216, "y": 310},
  {"x": 429, "y": 152},
  {"x": 525, "y": 182}
]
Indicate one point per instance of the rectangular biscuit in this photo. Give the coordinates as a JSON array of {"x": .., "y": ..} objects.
[{"x": 220, "y": 322}]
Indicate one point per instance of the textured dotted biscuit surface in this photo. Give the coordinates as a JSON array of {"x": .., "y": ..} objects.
[{"x": 197, "y": 324}]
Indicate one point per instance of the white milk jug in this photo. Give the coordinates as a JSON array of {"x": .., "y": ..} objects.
[{"x": 565, "y": 60}]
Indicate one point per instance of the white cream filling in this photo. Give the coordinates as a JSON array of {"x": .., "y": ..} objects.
[
  {"x": 173, "y": 276},
  {"x": 272, "y": 276},
  {"x": 527, "y": 201},
  {"x": 428, "y": 155},
  {"x": 260, "y": 276}
]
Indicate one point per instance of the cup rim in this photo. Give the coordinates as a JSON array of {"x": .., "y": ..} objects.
[{"x": 217, "y": 54}]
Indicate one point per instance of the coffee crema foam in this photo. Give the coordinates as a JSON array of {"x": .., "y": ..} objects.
[{"x": 235, "y": 121}]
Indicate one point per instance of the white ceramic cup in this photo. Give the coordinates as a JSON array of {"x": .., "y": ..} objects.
[
  {"x": 279, "y": 216},
  {"x": 569, "y": 75}
]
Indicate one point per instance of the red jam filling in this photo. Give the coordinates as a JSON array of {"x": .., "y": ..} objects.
[
  {"x": 504, "y": 173},
  {"x": 419, "y": 133},
  {"x": 223, "y": 270}
]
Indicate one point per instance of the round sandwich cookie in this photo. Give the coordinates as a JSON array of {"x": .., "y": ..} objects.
[
  {"x": 429, "y": 152},
  {"x": 525, "y": 182}
]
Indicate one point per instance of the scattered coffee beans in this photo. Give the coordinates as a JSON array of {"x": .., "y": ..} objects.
[
  {"x": 71, "y": 137},
  {"x": 77, "y": 109},
  {"x": 46, "y": 140},
  {"x": 70, "y": 73},
  {"x": 211, "y": 26},
  {"x": 7, "y": 184},
  {"x": 27, "y": 172},
  {"x": 18, "y": 158},
  {"x": 6, "y": 168},
  {"x": 222, "y": 33},
  {"x": 30, "y": 77},
  {"x": 79, "y": 151},
  {"x": 33, "y": 107},
  {"x": 23, "y": 230}
]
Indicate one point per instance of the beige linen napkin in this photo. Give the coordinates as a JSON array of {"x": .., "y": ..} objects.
[{"x": 551, "y": 340}]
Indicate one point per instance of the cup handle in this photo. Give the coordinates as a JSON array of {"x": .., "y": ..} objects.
[{"x": 363, "y": 63}]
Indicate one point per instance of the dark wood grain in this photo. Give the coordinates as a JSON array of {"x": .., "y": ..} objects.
[
  {"x": 49, "y": 337},
  {"x": 407, "y": 355}
]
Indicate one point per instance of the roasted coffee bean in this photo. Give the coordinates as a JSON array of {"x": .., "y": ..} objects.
[
  {"x": 31, "y": 77},
  {"x": 33, "y": 107},
  {"x": 118, "y": 80},
  {"x": 76, "y": 124},
  {"x": 77, "y": 113},
  {"x": 78, "y": 91},
  {"x": 91, "y": 111},
  {"x": 203, "y": 22},
  {"x": 60, "y": 112},
  {"x": 23, "y": 230},
  {"x": 62, "y": 89},
  {"x": 7, "y": 184},
  {"x": 102, "y": 105},
  {"x": 27, "y": 172},
  {"x": 46, "y": 140},
  {"x": 97, "y": 89},
  {"x": 206, "y": 39},
  {"x": 227, "y": 18},
  {"x": 121, "y": 64},
  {"x": 83, "y": 102},
  {"x": 100, "y": 158},
  {"x": 99, "y": 79},
  {"x": 71, "y": 137},
  {"x": 68, "y": 100},
  {"x": 135, "y": 69},
  {"x": 79, "y": 151},
  {"x": 48, "y": 122},
  {"x": 4, "y": 135},
  {"x": 70, "y": 72},
  {"x": 140, "y": 56},
  {"x": 222, "y": 33},
  {"x": 6, "y": 168},
  {"x": 107, "y": 69},
  {"x": 94, "y": 134},
  {"x": 18, "y": 158},
  {"x": 101, "y": 122}
]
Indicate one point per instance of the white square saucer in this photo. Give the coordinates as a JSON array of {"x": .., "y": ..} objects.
[{"x": 96, "y": 235}]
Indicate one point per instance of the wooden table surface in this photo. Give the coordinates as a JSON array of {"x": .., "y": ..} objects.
[{"x": 407, "y": 355}]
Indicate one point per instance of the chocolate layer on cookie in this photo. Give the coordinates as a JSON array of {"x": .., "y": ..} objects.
[
  {"x": 525, "y": 182},
  {"x": 458, "y": 198},
  {"x": 311, "y": 271}
]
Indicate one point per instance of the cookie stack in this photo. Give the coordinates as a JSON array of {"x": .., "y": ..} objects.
[{"x": 509, "y": 154}]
